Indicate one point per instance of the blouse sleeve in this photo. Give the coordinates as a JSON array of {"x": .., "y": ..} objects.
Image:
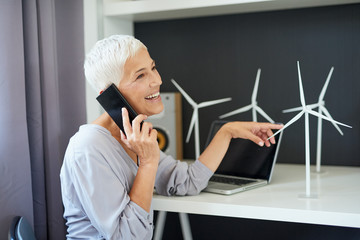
[
  {"x": 106, "y": 202},
  {"x": 175, "y": 177}
]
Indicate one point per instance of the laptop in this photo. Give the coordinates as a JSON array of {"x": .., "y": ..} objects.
[{"x": 245, "y": 165}]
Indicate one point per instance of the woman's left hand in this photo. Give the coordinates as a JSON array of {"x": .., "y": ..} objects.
[{"x": 254, "y": 131}]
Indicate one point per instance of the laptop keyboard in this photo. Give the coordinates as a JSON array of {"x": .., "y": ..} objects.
[{"x": 234, "y": 181}]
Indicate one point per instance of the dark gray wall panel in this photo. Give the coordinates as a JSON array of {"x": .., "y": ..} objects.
[{"x": 215, "y": 57}]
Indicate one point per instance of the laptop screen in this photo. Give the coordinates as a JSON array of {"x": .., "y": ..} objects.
[{"x": 244, "y": 158}]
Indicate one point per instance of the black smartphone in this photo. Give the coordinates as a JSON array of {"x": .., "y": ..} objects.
[{"x": 113, "y": 101}]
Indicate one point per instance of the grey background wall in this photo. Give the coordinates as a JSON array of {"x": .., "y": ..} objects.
[{"x": 216, "y": 57}]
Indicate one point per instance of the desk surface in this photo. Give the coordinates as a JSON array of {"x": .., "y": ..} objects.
[{"x": 337, "y": 202}]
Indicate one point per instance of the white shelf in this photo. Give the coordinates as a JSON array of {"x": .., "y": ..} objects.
[
  {"x": 337, "y": 203},
  {"x": 149, "y": 10}
]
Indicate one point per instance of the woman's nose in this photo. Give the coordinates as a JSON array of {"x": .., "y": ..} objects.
[{"x": 155, "y": 80}]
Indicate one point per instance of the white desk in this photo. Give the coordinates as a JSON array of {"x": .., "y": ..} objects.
[{"x": 337, "y": 204}]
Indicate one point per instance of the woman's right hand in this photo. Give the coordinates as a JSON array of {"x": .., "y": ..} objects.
[{"x": 142, "y": 140}]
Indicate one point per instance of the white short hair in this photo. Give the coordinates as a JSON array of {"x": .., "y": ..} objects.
[{"x": 104, "y": 64}]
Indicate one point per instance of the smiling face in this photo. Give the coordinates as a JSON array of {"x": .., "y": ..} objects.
[{"x": 140, "y": 84}]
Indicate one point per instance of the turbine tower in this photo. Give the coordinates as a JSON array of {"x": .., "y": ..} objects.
[
  {"x": 253, "y": 106},
  {"x": 195, "y": 116}
]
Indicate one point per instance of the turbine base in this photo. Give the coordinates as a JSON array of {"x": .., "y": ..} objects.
[{"x": 305, "y": 196}]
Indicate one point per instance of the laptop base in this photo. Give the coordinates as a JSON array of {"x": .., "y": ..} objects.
[{"x": 228, "y": 189}]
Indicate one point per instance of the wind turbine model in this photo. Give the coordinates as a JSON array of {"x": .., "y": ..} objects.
[
  {"x": 321, "y": 109},
  {"x": 195, "y": 116},
  {"x": 306, "y": 109},
  {"x": 255, "y": 108}
]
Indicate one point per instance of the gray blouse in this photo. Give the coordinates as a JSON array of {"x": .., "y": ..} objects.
[{"x": 96, "y": 177}]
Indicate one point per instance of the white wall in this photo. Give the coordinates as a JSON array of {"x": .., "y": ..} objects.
[{"x": 97, "y": 27}]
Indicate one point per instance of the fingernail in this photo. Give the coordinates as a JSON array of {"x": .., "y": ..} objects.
[{"x": 261, "y": 144}]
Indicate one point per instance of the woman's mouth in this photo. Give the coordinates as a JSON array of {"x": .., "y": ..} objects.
[{"x": 153, "y": 96}]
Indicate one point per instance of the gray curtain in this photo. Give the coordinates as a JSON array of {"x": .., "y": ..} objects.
[{"x": 42, "y": 104}]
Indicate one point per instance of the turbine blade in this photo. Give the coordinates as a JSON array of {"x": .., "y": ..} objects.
[
  {"x": 213, "y": 102},
  {"x": 323, "y": 90},
  {"x": 329, "y": 116},
  {"x": 256, "y": 86},
  {"x": 186, "y": 96},
  {"x": 301, "y": 89},
  {"x": 294, "y": 119},
  {"x": 292, "y": 109},
  {"x": 192, "y": 123},
  {"x": 240, "y": 110},
  {"x": 326, "y": 118},
  {"x": 264, "y": 114}
]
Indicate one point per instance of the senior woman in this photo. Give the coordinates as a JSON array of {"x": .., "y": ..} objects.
[{"x": 106, "y": 194}]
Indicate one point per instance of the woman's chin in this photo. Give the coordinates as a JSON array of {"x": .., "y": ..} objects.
[
  {"x": 159, "y": 110},
  {"x": 155, "y": 109}
]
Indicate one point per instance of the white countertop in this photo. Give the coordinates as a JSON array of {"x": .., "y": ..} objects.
[{"x": 337, "y": 202}]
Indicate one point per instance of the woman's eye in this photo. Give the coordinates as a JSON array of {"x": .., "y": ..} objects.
[{"x": 140, "y": 76}]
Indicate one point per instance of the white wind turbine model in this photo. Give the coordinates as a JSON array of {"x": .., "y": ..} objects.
[
  {"x": 306, "y": 109},
  {"x": 195, "y": 116},
  {"x": 321, "y": 109},
  {"x": 255, "y": 108}
]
